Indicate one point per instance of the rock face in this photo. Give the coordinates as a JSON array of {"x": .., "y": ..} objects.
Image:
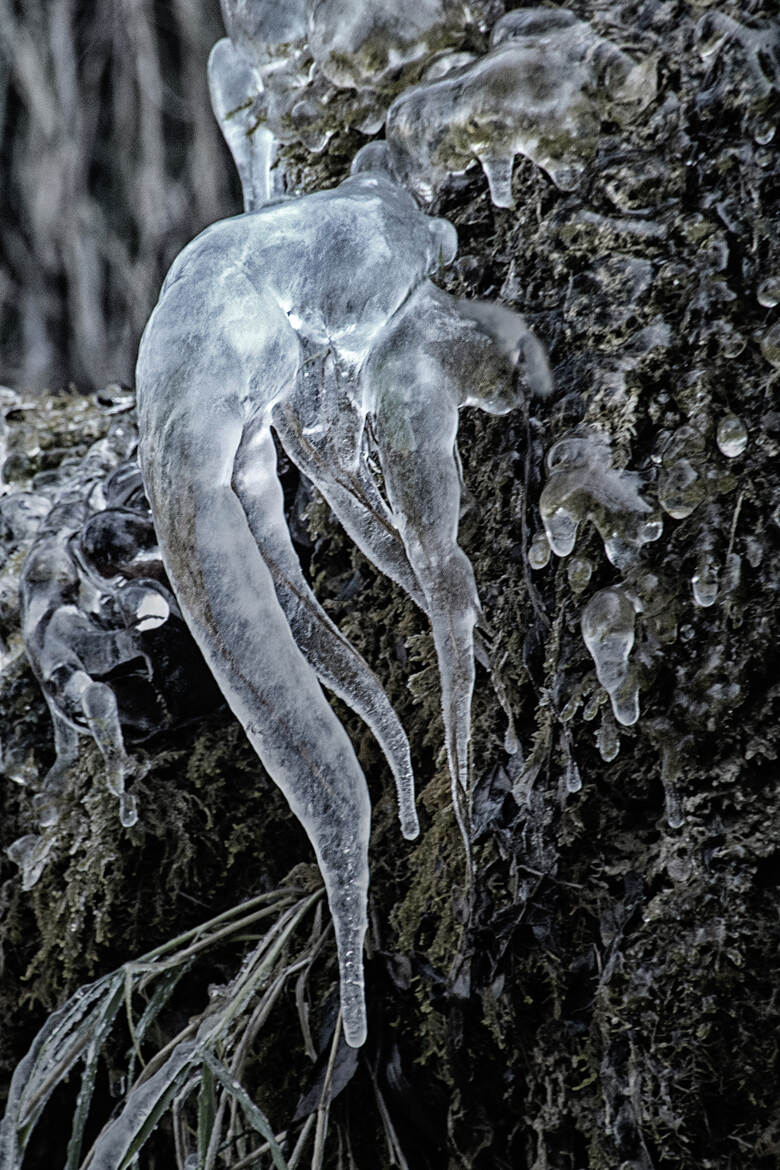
[{"x": 604, "y": 997}]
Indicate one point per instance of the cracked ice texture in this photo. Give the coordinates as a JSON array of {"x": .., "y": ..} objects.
[
  {"x": 264, "y": 323},
  {"x": 541, "y": 91}
]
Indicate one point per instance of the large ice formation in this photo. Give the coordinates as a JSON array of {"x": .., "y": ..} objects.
[{"x": 302, "y": 319}]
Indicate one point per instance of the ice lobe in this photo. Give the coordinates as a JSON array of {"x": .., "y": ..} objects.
[
  {"x": 234, "y": 87},
  {"x": 584, "y": 484},
  {"x": 541, "y": 91},
  {"x": 608, "y": 631},
  {"x": 301, "y": 319}
]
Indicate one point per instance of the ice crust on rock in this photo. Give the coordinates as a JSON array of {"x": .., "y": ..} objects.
[
  {"x": 94, "y": 600},
  {"x": 98, "y": 623},
  {"x": 541, "y": 91},
  {"x": 359, "y": 43},
  {"x": 744, "y": 60},
  {"x": 305, "y": 51},
  {"x": 302, "y": 319}
]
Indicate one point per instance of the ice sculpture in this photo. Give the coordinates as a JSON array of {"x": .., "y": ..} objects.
[
  {"x": 542, "y": 91},
  {"x": 302, "y": 318}
]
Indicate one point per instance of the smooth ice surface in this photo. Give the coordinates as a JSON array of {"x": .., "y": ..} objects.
[
  {"x": 541, "y": 91},
  {"x": 608, "y": 631},
  {"x": 302, "y": 319}
]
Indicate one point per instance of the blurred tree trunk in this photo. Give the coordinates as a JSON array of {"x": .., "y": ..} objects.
[{"x": 111, "y": 160}]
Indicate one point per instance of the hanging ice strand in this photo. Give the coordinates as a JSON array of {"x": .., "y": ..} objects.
[
  {"x": 225, "y": 358},
  {"x": 249, "y": 295}
]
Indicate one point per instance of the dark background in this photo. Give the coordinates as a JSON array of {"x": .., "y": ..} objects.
[{"x": 110, "y": 160}]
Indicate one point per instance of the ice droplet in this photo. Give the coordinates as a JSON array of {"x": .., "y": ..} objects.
[
  {"x": 30, "y": 854},
  {"x": 731, "y": 436},
  {"x": 768, "y": 292},
  {"x": 608, "y": 630},
  {"x": 593, "y": 705},
  {"x": 704, "y": 583},
  {"x": 560, "y": 524},
  {"x": 579, "y": 571},
  {"x": 128, "y": 810},
  {"x": 675, "y": 817},
  {"x": 539, "y": 552},
  {"x": 608, "y": 739},
  {"x": 573, "y": 777},
  {"x": 770, "y": 345},
  {"x": 679, "y": 489}
]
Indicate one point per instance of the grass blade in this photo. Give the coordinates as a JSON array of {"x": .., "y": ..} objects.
[
  {"x": 123, "y": 1136},
  {"x": 255, "y": 1116},
  {"x": 103, "y": 1026}
]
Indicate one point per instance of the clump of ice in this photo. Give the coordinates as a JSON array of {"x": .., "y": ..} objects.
[
  {"x": 541, "y": 91},
  {"x": 608, "y": 631},
  {"x": 584, "y": 484},
  {"x": 303, "y": 52}
]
